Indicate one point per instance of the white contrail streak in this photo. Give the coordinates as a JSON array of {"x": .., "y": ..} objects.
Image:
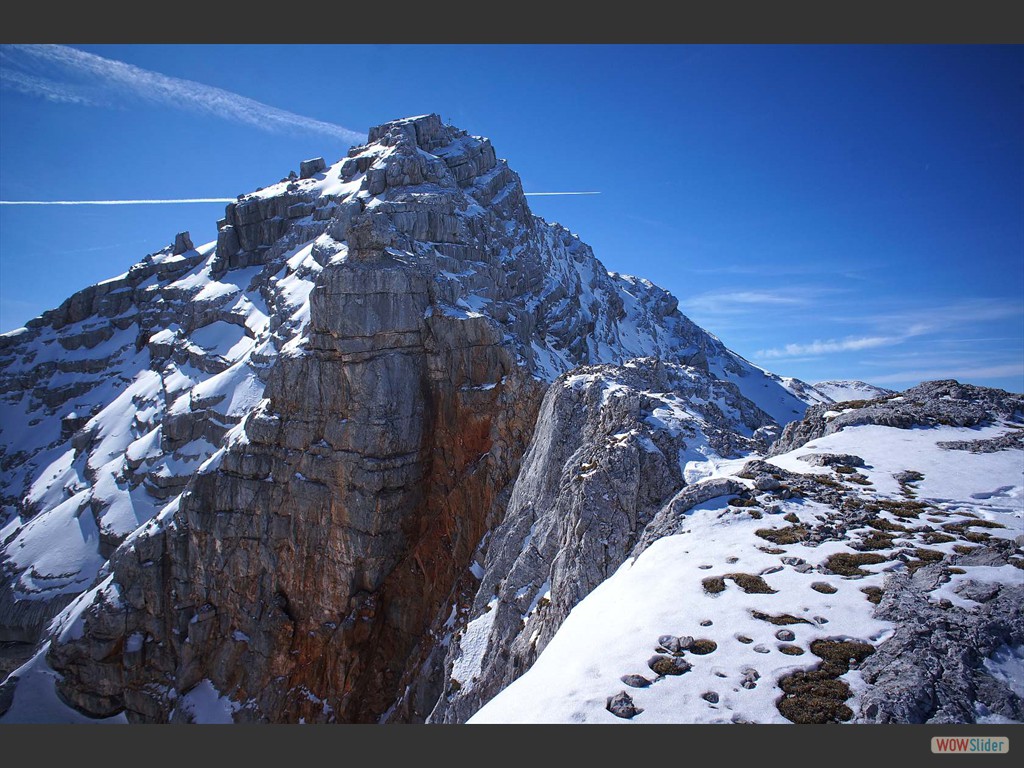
[
  {"x": 119, "y": 202},
  {"x": 73, "y": 76},
  {"x": 192, "y": 200}
]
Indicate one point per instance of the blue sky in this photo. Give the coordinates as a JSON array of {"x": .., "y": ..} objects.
[{"x": 828, "y": 211}]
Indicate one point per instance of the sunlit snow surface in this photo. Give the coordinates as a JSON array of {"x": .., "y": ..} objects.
[
  {"x": 615, "y": 630},
  {"x": 204, "y": 705}
]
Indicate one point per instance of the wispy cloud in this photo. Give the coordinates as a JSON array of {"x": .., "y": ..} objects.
[
  {"x": 898, "y": 327},
  {"x": 937, "y": 317},
  {"x": 761, "y": 297},
  {"x": 22, "y": 82},
  {"x": 828, "y": 347},
  {"x": 61, "y": 74},
  {"x": 808, "y": 359},
  {"x": 730, "y": 302}
]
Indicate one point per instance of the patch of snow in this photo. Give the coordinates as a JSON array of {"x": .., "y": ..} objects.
[
  {"x": 951, "y": 477},
  {"x": 843, "y": 391},
  {"x": 1007, "y": 664},
  {"x": 36, "y": 699},
  {"x": 473, "y": 645},
  {"x": 207, "y": 705}
]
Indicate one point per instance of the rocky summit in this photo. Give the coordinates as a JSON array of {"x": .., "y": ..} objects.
[{"x": 377, "y": 452}]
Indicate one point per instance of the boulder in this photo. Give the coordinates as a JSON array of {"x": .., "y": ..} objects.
[{"x": 309, "y": 168}]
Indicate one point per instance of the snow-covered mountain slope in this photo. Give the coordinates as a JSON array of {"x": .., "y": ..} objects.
[
  {"x": 405, "y": 291},
  {"x": 112, "y": 402},
  {"x": 844, "y": 391},
  {"x": 872, "y": 574}
]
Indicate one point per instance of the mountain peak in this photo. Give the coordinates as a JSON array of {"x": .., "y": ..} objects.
[
  {"x": 425, "y": 131},
  {"x": 326, "y": 410}
]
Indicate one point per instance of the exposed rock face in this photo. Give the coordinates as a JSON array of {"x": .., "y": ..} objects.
[
  {"x": 833, "y": 460},
  {"x": 112, "y": 401},
  {"x": 1010, "y": 440},
  {"x": 933, "y": 668},
  {"x": 612, "y": 446},
  {"x": 321, "y": 417},
  {"x": 309, "y": 168},
  {"x": 931, "y": 403},
  {"x": 24, "y": 620},
  {"x": 300, "y": 574},
  {"x": 671, "y": 518}
]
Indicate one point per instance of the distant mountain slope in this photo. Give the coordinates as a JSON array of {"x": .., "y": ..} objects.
[{"x": 842, "y": 391}]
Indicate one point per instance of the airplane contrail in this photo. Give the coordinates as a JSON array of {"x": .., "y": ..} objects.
[
  {"x": 197, "y": 200},
  {"x": 539, "y": 194},
  {"x": 119, "y": 202}
]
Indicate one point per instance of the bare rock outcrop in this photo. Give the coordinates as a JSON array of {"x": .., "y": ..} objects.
[
  {"x": 311, "y": 167},
  {"x": 300, "y": 571},
  {"x": 933, "y": 669},
  {"x": 182, "y": 244}
]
